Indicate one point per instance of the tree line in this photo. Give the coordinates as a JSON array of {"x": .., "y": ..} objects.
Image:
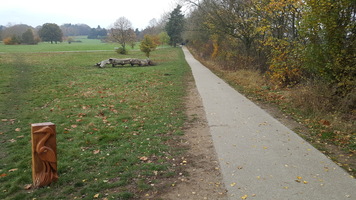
[
  {"x": 289, "y": 41},
  {"x": 165, "y": 31},
  {"x": 24, "y": 34}
]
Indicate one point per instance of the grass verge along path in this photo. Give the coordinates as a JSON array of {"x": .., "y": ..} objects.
[{"x": 116, "y": 127}]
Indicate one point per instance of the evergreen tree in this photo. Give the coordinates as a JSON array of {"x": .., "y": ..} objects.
[{"x": 175, "y": 26}]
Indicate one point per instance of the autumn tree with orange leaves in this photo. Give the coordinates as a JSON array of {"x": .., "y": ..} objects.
[{"x": 289, "y": 40}]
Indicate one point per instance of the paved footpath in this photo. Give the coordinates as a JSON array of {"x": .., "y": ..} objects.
[{"x": 260, "y": 158}]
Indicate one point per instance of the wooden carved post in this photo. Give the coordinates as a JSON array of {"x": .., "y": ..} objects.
[{"x": 44, "y": 154}]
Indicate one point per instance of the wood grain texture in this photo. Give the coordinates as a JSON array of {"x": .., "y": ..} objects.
[{"x": 44, "y": 154}]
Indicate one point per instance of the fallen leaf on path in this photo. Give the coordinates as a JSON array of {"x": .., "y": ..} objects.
[
  {"x": 232, "y": 184},
  {"x": 244, "y": 197},
  {"x": 299, "y": 180}
]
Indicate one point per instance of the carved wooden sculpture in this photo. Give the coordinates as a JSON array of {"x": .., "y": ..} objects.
[{"x": 44, "y": 154}]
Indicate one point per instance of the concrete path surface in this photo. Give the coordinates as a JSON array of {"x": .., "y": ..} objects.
[{"x": 260, "y": 158}]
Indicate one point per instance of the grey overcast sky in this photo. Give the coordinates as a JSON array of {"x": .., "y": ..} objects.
[{"x": 92, "y": 13}]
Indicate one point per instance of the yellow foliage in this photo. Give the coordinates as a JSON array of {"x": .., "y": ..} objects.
[
  {"x": 215, "y": 46},
  {"x": 284, "y": 65},
  {"x": 7, "y": 41}
]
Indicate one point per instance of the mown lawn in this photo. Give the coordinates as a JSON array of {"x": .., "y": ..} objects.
[
  {"x": 83, "y": 45},
  {"x": 115, "y": 126}
]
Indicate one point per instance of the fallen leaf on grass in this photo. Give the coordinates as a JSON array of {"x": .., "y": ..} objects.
[
  {"x": 3, "y": 175},
  {"x": 96, "y": 196},
  {"x": 324, "y": 122},
  {"x": 27, "y": 186},
  {"x": 12, "y": 140},
  {"x": 18, "y": 129},
  {"x": 96, "y": 151},
  {"x": 143, "y": 158},
  {"x": 12, "y": 170}
]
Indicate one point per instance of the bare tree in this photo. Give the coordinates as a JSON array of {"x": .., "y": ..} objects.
[{"x": 122, "y": 32}]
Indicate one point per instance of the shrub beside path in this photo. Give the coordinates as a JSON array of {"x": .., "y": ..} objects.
[{"x": 260, "y": 158}]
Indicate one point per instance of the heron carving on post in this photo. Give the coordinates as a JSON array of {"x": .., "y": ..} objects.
[{"x": 44, "y": 162}]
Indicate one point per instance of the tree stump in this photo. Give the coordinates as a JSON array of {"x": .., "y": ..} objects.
[{"x": 44, "y": 154}]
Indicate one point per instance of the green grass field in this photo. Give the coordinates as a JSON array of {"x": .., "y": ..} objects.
[
  {"x": 116, "y": 127},
  {"x": 84, "y": 45}
]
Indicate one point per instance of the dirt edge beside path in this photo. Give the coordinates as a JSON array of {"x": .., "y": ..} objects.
[{"x": 201, "y": 178}]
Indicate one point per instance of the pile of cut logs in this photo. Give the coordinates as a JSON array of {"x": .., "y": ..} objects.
[{"x": 122, "y": 62}]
